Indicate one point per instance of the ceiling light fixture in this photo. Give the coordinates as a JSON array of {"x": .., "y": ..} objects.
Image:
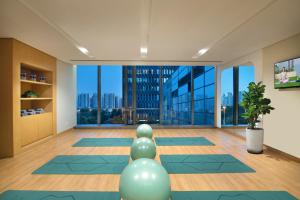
[
  {"x": 144, "y": 51},
  {"x": 200, "y": 53},
  {"x": 83, "y": 50}
]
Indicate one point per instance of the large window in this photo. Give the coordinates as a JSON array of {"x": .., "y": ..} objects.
[
  {"x": 168, "y": 95},
  {"x": 204, "y": 95},
  {"x": 227, "y": 105},
  {"x": 87, "y": 94},
  {"x": 246, "y": 75},
  {"x": 234, "y": 81},
  {"x": 111, "y": 95}
]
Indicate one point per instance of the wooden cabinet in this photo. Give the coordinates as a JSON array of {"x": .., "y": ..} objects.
[
  {"x": 35, "y": 127},
  {"x": 44, "y": 125},
  {"x": 29, "y": 130},
  {"x": 16, "y": 60}
]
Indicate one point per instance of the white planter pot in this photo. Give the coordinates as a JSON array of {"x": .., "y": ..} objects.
[{"x": 255, "y": 140}]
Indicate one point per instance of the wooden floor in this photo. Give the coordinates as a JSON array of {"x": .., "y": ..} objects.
[{"x": 273, "y": 171}]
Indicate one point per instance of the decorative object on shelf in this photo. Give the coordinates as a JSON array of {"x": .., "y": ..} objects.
[
  {"x": 30, "y": 112},
  {"x": 42, "y": 78},
  {"x": 30, "y": 94},
  {"x": 24, "y": 112},
  {"x": 33, "y": 76},
  {"x": 255, "y": 105},
  {"x": 23, "y": 75},
  {"x": 39, "y": 111}
]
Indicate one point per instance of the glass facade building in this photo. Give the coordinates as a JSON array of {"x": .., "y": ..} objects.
[
  {"x": 188, "y": 96},
  {"x": 147, "y": 94}
]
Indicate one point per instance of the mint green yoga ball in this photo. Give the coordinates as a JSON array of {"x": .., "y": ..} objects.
[
  {"x": 145, "y": 179},
  {"x": 143, "y": 148},
  {"x": 144, "y": 130}
]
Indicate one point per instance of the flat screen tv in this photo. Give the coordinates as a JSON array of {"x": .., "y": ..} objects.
[{"x": 287, "y": 73}]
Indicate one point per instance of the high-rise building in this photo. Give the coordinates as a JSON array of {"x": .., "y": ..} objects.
[
  {"x": 94, "y": 101},
  {"x": 117, "y": 105},
  {"x": 147, "y": 90},
  {"x": 178, "y": 99},
  {"x": 108, "y": 101},
  {"x": 83, "y": 100}
]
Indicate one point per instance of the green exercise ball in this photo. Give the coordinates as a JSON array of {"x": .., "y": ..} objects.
[
  {"x": 145, "y": 179},
  {"x": 144, "y": 130},
  {"x": 143, "y": 148}
]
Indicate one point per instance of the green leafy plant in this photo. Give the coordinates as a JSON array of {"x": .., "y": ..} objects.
[
  {"x": 255, "y": 104},
  {"x": 30, "y": 94}
]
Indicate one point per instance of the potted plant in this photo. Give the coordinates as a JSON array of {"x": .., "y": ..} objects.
[{"x": 255, "y": 105}]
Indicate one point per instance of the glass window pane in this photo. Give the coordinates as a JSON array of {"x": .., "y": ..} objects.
[
  {"x": 227, "y": 96},
  {"x": 210, "y": 76},
  {"x": 111, "y": 95},
  {"x": 87, "y": 94},
  {"x": 147, "y": 94},
  {"x": 199, "y": 93},
  {"x": 210, "y": 91},
  {"x": 204, "y": 89},
  {"x": 199, "y": 81},
  {"x": 246, "y": 75},
  {"x": 176, "y": 91}
]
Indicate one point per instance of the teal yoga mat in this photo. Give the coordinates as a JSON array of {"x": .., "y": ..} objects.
[
  {"x": 103, "y": 142},
  {"x": 182, "y": 141},
  {"x": 84, "y": 164},
  {"x": 202, "y": 164},
  {"x": 232, "y": 195},
  {"x": 55, "y": 195}
]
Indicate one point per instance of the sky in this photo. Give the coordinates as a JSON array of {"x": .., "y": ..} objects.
[
  {"x": 246, "y": 75},
  {"x": 111, "y": 79}
]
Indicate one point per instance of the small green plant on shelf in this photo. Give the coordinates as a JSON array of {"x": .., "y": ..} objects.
[
  {"x": 29, "y": 94},
  {"x": 255, "y": 104}
]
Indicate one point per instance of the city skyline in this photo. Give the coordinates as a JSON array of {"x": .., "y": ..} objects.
[
  {"x": 111, "y": 79},
  {"x": 108, "y": 101}
]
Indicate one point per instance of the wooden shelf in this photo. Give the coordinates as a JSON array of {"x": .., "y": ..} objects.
[
  {"x": 38, "y": 98},
  {"x": 44, "y": 113},
  {"x": 35, "y": 82}
]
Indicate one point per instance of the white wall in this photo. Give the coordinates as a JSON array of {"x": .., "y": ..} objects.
[
  {"x": 66, "y": 96},
  {"x": 282, "y": 126}
]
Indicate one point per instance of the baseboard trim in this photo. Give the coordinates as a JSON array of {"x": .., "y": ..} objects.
[{"x": 284, "y": 154}]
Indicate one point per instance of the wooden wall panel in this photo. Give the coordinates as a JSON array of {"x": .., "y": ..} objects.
[{"x": 6, "y": 124}]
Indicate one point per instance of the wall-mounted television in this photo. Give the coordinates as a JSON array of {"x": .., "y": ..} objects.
[{"x": 287, "y": 73}]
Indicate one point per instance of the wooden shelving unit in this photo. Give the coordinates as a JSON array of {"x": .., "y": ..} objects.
[
  {"x": 19, "y": 62},
  {"x": 41, "y": 124},
  {"x": 35, "y": 82},
  {"x": 32, "y": 99}
]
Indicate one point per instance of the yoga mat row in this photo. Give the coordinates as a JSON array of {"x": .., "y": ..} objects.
[
  {"x": 114, "y": 164},
  {"x": 160, "y": 141},
  {"x": 176, "y": 195}
]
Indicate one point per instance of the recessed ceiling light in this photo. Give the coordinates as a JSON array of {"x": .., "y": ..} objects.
[
  {"x": 83, "y": 50},
  {"x": 200, "y": 53},
  {"x": 144, "y": 51}
]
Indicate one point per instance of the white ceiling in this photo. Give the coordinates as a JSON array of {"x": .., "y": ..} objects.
[{"x": 173, "y": 30}]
